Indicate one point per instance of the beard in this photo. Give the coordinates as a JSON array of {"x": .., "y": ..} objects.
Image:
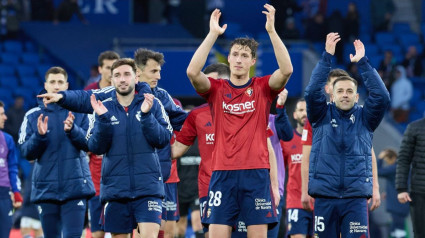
[
  {"x": 124, "y": 92},
  {"x": 301, "y": 121}
]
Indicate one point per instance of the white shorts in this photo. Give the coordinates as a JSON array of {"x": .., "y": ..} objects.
[{"x": 28, "y": 222}]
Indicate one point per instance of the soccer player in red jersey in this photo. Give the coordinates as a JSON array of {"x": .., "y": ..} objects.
[
  {"x": 105, "y": 61},
  {"x": 300, "y": 221},
  {"x": 199, "y": 125},
  {"x": 240, "y": 182}
]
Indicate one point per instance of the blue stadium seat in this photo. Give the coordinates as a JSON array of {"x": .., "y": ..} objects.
[
  {"x": 384, "y": 38},
  {"x": 9, "y": 58},
  {"x": 348, "y": 49},
  {"x": 417, "y": 96},
  {"x": 299, "y": 46},
  {"x": 7, "y": 70},
  {"x": 420, "y": 107},
  {"x": 401, "y": 28},
  {"x": 365, "y": 37},
  {"x": 6, "y": 96},
  {"x": 319, "y": 47},
  {"x": 371, "y": 49},
  {"x": 30, "y": 47},
  {"x": 9, "y": 82},
  {"x": 42, "y": 69},
  {"x": 13, "y": 46},
  {"x": 31, "y": 82},
  {"x": 30, "y": 58},
  {"x": 26, "y": 93},
  {"x": 407, "y": 40},
  {"x": 375, "y": 60},
  {"x": 25, "y": 70},
  {"x": 395, "y": 48}
]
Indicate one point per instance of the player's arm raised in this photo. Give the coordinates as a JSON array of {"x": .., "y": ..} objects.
[
  {"x": 194, "y": 71},
  {"x": 281, "y": 76}
]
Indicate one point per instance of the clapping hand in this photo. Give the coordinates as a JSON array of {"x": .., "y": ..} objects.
[
  {"x": 360, "y": 51},
  {"x": 42, "y": 124},
  {"x": 331, "y": 40},
  {"x": 97, "y": 106},
  {"x": 69, "y": 121},
  {"x": 147, "y": 103}
]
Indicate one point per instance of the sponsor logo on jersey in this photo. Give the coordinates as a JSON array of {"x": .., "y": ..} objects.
[
  {"x": 228, "y": 95},
  {"x": 296, "y": 158},
  {"x": 239, "y": 108},
  {"x": 208, "y": 124},
  {"x": 209, "y": 139}
]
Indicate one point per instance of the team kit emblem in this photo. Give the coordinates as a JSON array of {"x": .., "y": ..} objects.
[{"x": 249, "y": 91}]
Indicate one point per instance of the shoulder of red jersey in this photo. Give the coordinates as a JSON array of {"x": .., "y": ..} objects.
[{"x": 91, "y": 86}]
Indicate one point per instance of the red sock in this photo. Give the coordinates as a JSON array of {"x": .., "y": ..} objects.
[{"x": 161, "y": 234}]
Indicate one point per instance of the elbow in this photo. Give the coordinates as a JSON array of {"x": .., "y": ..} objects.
[
  {"x": 288, "y": 72},
  {"x": 191, "y": 73}
]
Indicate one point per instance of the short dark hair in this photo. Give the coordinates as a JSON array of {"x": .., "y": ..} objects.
[
  {"x": 343, "y": 78},
  {"x": 337, "y": 73},
  {"x": 219, "y": 68},
  {"x": 124, "y": 61},
  {"x": 300, "y": 100},
  {"x": 390, "y": 153},
  {"x": 56, "y": 70},
  {"x": 142, "y": 55},
  {"x": 1, "y": 104},
  {"x": 107, "y": 55},
  {"x": 248, "y": 42}
]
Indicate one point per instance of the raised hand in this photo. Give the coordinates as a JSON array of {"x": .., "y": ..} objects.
[
  {"x": 282, "y": 97},
  {"x": 214, "y": 23},
  {"x": 42, "y": 124},
  {"x": 331, "y": 40},
  {"x": 360, "y": 51},
  {"x": 147, "y": 103},
  {"x": 50, "y": 98},
  {"x": 97, "y": 106},
  {"x": 270, "y": 14},
  {"x": 69, "y": 121}
]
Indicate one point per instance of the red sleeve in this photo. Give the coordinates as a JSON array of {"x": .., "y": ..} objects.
[
  {"x": 92, "y": 86},
  {"x": 269, "y": 132},
  {"x": 188, "y": 133},
  {"x": 271, "y": 93},
  {"x": 307, "y": 136},
  {"x": 214, "y": 85},
  {"x": 177, "y": 102}
]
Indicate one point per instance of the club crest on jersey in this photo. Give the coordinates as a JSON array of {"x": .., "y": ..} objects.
[{"x": 249, "y": 91}]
